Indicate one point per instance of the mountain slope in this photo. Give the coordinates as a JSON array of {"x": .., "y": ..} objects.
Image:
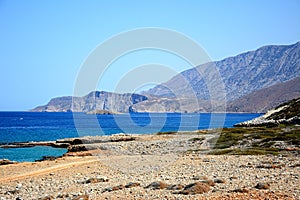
[
  {"x": 119, "y": 103},
  {"x": 267, "y": 98},
  {"x": 286, "y": 113},
  {"x": 241, "y": 74}
]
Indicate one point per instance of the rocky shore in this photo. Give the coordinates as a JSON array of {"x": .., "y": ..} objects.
[
  {"x": 285, "y": 114},
  {"x": 167, "y": 166}
]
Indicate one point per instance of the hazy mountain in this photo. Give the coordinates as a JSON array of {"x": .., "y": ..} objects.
[
  {"x": 267, "y": 98},
  {"x": 93, "y": 101},
  {"x": 241, "y": 74}
]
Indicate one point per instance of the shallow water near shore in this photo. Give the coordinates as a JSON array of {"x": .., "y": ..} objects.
[
  {"x": 32, "y": 126},
  {"x": 30, "y": 154}
]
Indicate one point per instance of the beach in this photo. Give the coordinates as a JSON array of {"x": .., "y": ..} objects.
[{"x": 152, "y": 167}]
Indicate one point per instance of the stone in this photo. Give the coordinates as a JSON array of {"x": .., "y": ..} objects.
[
  {"x": 200, "y": 178},
  {"x": 240, "y": 190},
  {"x": 175, "y": 187},
  {"x": 132, "y": 184},
  {"x": 208, "y": 182},
  {"x": 119, "y": 187},
  {"x": 81, "y": 197},
  {"x": 262, "y": 186},
  {"x": 114, "y": 188},
  {"x": 157, "y": 185},
  {"x": 6, "y": 162},
  {"x": 94, "y": 180},
  {"x": 219, "y": 180},
  {"x": 44, "y": 158},
  {"x": 19, "y": 186},
  {"x": 195, "y": 188},
  {"x": 46, "y": 198},
  {"x": 76, "y": 148}
]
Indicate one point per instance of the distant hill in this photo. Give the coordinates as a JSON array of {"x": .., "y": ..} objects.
[
  {"x": 254, "y": 81},
  {"x": 286, "y": 113},
  {"x": 267, "y": 98},
  {"x": 241, "y": 74},
  {"x": 259, "y": 101},
  {"x": 97, "y": 100}
]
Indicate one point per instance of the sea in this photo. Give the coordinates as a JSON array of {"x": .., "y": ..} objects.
[{"x": 44, "y": 126}]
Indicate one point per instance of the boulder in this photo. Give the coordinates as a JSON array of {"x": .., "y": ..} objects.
[
  {"x": 132, "y": 184},
  {"x": 157, "y": 185},
  {"x": 195, "y": 188},
  {"x": 6, "y": 162},
  {"x": 175, "y": 187},
  {"x": 94, "y": 180},
  {"x": 262, "y": 186}
]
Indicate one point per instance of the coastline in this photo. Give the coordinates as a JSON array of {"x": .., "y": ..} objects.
[{"x": 152, "y": 167}]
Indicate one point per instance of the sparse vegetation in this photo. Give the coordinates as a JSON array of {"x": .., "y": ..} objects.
[
  {"x": 247, "y": 151},
  {"x": 256, "y": 141},
  {"x": 292, "y": 110},
  {"x": 198, "y": 132},
  {"x": 167, "y": 133}
]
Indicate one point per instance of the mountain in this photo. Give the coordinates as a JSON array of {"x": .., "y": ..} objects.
[
  {"x": 180, "y": 105},
  {"x": 241, "y": 74},
  {"x": 254, "y": 82},
  {"x": 97, "y": 100},
  {"x": 265, "y": 99},
  {"x": 287, "y": 113}
]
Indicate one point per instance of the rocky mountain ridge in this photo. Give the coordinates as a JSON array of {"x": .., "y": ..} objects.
[
  {"x": 241, "y": 74},
  {"x": 254, "y": 81}
]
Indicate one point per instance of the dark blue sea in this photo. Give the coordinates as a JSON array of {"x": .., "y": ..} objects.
[{"x": 42, "y": 126}]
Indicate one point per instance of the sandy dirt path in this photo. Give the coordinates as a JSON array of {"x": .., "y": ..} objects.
[{"x": 47, "y": 170}]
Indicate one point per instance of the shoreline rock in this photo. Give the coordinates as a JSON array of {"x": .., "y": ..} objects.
[{"x": 6, "y": 162}]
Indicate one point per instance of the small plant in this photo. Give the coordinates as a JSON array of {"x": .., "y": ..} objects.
[
  {"x": 196, "y": 139},
  {"x": 166, "y": 133},
  {"x": 247, "y": 151}
]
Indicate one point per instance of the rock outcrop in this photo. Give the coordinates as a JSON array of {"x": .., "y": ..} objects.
[{"x": 287, "y": 113}]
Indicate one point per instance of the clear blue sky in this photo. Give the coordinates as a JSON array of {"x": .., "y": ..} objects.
[{"x": 44, "y": 43}]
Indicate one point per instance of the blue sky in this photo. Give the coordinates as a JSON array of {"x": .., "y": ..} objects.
[{"x": 44, "y": 43}]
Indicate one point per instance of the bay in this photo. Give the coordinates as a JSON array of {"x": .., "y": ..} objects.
[{"x": 42, "y": 126}]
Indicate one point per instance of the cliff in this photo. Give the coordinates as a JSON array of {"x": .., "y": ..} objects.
[{"x": 97, "y": 100}]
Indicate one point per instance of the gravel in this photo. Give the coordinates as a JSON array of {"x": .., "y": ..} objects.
[{"x": 124, "y": 170}]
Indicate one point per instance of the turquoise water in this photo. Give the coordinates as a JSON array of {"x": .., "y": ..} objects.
[
  {"x": 33, "y": 126},
  {"x": 30, "y": 154}
]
